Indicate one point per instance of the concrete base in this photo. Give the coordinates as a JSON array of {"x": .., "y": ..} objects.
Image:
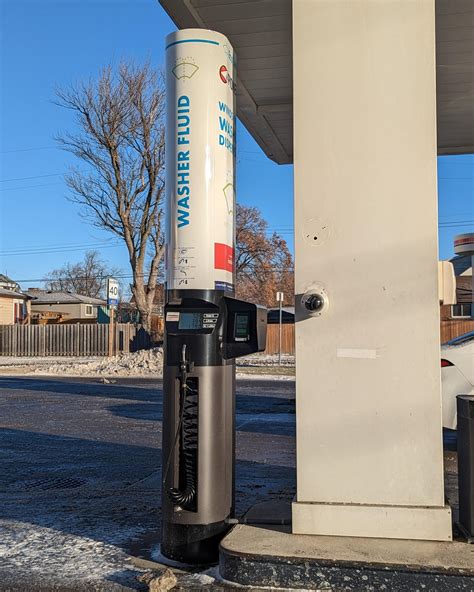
[
  {"x": 270, "y": 555},
  {"x": 394, "y": 522}
]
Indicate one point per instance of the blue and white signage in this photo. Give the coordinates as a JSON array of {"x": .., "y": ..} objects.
[
  {"x": 200, "y": 151},
  {"x": 112, "y": 292}
]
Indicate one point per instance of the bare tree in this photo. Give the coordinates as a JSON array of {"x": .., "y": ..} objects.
[
  {"x": 86, "y": 277},
  {"x": 120, "y": 140},
  {"x": 264, "y": 264}
]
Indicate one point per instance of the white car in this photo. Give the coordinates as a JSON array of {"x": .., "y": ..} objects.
[{"x": 457, "y": 374}]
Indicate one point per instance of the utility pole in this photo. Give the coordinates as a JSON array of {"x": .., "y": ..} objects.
[{"x": 279, "y": 297}]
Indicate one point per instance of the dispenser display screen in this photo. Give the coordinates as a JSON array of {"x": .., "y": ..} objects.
[
  {"x": 241, "y": 327},
  {"x": 190, "y": 320}
]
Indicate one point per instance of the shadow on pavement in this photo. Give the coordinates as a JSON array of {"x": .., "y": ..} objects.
[
  {"x": 86, "y": 387},
  {"x": 64, "y": 497},
  {"x": 258, "y": 414}
]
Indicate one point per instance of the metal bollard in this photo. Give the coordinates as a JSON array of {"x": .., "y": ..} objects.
[{"x": 465, "y": 412}]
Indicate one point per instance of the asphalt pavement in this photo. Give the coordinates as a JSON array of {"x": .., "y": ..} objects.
[{"x": 80, "y": 476}]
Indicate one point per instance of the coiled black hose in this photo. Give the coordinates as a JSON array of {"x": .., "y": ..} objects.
[{"x": 189, "y": 443}]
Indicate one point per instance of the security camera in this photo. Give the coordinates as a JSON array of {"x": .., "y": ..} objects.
[{"x": 315, "y": 300}]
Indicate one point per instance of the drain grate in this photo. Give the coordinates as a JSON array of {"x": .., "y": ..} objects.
[{"x": 55, "y": 483}]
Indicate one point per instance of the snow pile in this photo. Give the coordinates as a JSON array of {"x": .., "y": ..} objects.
[
  {"x": 147, "y": 362},
  {"x": 264, "y": 360},
  {"x": 266, "y": 366}
]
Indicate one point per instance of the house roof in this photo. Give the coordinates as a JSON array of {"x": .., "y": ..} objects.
[
  {"x": 5, "y": 279},
  {"x": 8, "y": 283},
  {"x": 288, "y": 315},
  {"x": 287, "y": 309},
  {"x": 261, "y": 34},
  {"x": 461, "y": 264},
  {"x": 4, "y": 293},
  {"x": 49, "y": 297}
]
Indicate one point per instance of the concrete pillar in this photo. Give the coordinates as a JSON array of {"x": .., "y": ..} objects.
[{"x": 369, "y": 437}]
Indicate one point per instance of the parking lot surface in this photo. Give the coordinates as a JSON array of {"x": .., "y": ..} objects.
[{"x": 80, "y": 475}]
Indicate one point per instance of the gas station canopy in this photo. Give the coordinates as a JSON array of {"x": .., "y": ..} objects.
[{"x": 261, "y": 34}]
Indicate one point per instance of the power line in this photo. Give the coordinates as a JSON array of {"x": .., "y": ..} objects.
[
  {"x": 455, "y": 214},
  {"x": 130, "y": 276},
  {"x": 29, "y": 149},
  {"x": 30, "y": 186},
  {"x": 63, "y": 246},
  {"x": 60, "y": 250},
  {"x": 33, "y": 177},
  {"x": 455, "y": 224},
  {"x": 446, "y": 224},
  {"x": 33, "y": 248},
  {"x": 65, "y": 279},
  {"x": 88, "y": 277}
]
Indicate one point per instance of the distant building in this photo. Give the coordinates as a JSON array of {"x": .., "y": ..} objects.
[
  {"x": 8, "y": 284},
  {"x": 287, "y": 316},
  {"x": 62, "y": 307},
  {"x": 463, "y": 272},
  {"x": 14, "y": 304},
  {"x": 463, "y": 308}
]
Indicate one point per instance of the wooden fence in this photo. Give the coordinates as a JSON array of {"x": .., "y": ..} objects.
[
  {"x": 70, "y": 340},
  {"x": 287, "y": 339},
  {"x": 93, "y": 339},
  {"x": 452, "y": 328},
  {"x": 449, "y": 330}
]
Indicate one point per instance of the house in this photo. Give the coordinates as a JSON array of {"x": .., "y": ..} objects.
[
  {"x": 8, "y": 284},
  {"x": 14, "y": 304},
  {"x": 463, "y": 271},
  {"x": 463, "y": 308},
  {"x": 287, "y": 315},
  {"x": 457, "y": 319},
  {"x": 62, "y": 307}
]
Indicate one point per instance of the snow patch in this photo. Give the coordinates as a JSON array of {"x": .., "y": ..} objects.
[
  {"x": 265, "y": 376},
  {"x": 261, "y": 360},
  {"x": 141, "y": 363},
  {"x": 61, "y": 555}
]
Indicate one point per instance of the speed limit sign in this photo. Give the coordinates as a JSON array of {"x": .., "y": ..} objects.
[{"x": 112, "y": 292}]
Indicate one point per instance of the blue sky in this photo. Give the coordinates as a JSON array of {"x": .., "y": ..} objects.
[{"x": 45, "y": 44}]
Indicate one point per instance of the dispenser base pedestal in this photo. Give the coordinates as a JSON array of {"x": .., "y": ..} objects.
[
  {"x": 258, "y": 554},
  {"x": 394, "y": 522}
]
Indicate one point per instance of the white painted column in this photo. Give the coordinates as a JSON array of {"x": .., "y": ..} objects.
[{"x": 369, "y": 438}]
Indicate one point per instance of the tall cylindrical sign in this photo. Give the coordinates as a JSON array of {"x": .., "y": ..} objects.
[{"x": 200, "y": 149}]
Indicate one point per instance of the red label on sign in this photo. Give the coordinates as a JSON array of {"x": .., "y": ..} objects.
[
  {"x": 223, "y": 74},
  {"x": 223, "y": 257}
]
